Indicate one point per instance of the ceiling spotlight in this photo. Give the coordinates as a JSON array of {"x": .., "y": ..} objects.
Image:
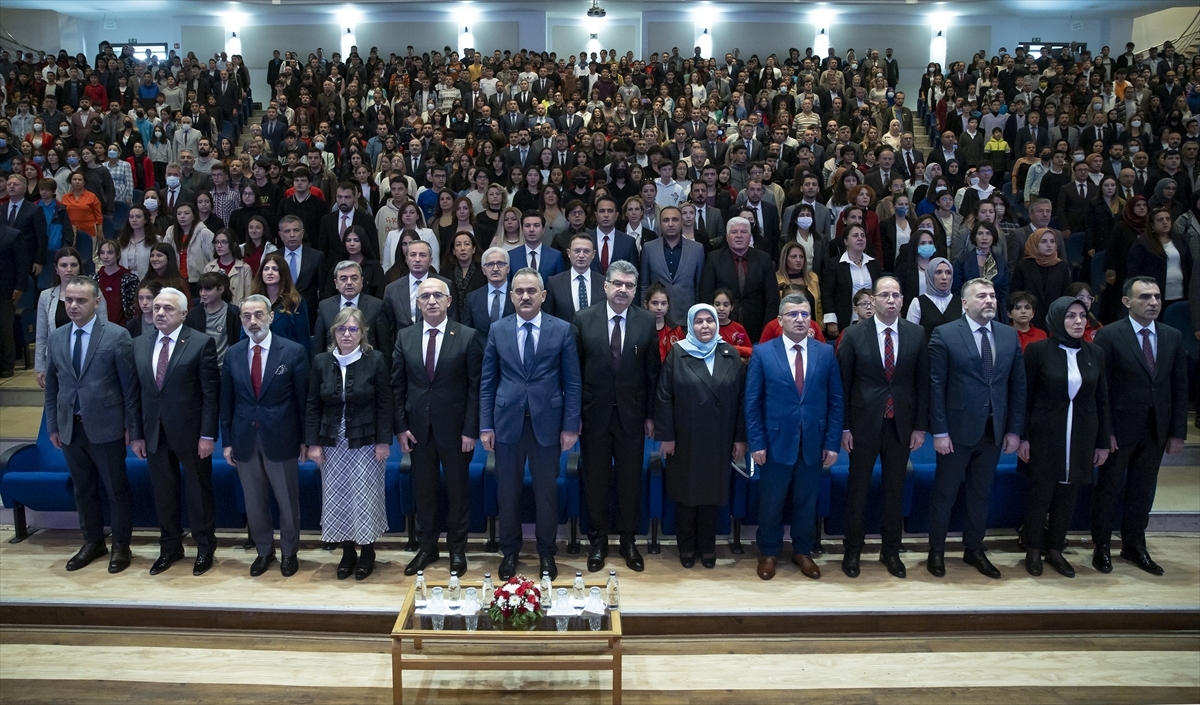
[{"x": 595, "y": 10}]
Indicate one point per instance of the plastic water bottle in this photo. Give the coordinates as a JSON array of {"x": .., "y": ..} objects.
[
  {"x": 454, "y": 590},
  {"x": 613, "y": 591},
  {"x": 422, "y": 594},
  {"x": 488, "y": 593},
  {"x": 594, "y": 609},
  {"x": 577, "y": 588},
  {"x": 547, "y": 589}
]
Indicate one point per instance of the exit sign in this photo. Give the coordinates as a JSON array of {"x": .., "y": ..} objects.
[{"x": 1036, "y": 39}]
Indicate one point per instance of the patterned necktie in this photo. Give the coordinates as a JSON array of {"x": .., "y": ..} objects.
[
  {"x": 889, "y": 369},
  {"x": 164, "y": 355},
  {"x": 985, "y": 351},
  {"x": 431, "y": 353},
  {"x": 527, "y": 351},
  {"x": 256, "y": 370},
  {"x": 615, "y": 342},
  {"x": 739, "y": 263},
  {"x": 495, "y": 312},
  {"x": 799, "y": 369},
  {"x": 1148, "y": 350},
  {"x": 345, "y": 224},
  {"x": 583, "y": 299}
]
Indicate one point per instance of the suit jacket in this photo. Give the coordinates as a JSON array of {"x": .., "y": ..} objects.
[
  {"x": 1088, "y": 136},
  {"x": 311, "y": 278},
  {"x": 876, "y": 182},
  {"x": 683, "y": 288},
  {"x": 570, "y": 124},
  {"x": 378, "y": 316},
  {"x": 511, "y": 122},
  {"x": 13, "y": 250},
  {"x": 397, "y": 297},
  {"x": 1049, "y": 404},
  {"x": 887, "y": 238},
  {"x": 904, "y": 115},
  {"x": 276, "y": 417},
  {"x": 561, "y": 289},
  {"x": 31, "y": 223},
  {"x": 778, "y": 420},
  {"x": 621, "y": 247},
  {"x": 358, "y": 403},
  {"x": 866, "y": 385},
  {"x": 716, "y": 150},
  {"x": 837, "y": 289},
  {"x": 477, "y": 313},
  {"x": 1071, "y": 208},
  {"x": 754, "y": 305},
  {"x": 228, "y": 99},
  {"x": 630, "y": 386},
  {"x": 330, "y": 242},
  {"x": 107, "y": 388},
  {"x": 550, "y": 261},
  {"x": 551, "y": 393},
  {"x": 1024, "y": 137},
  {"x": 186, "y": 409},
  {"x": 445, "y": 408},
  {"x": 1133, "y": 392},
  {"x": 959, "y": 396}
]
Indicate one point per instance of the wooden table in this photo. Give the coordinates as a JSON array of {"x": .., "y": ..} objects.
[{"x": 578, "y": 649}]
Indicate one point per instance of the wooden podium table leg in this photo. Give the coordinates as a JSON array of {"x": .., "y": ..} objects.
[
  {"x": 616, "y": 698},
  {"x": 397, "y": 672}
]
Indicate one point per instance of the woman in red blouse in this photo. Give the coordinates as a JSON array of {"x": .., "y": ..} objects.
[{"x": 658, "y": 303}]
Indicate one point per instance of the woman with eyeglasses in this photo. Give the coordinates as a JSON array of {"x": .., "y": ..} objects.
[{"x": 349, "y": 435}]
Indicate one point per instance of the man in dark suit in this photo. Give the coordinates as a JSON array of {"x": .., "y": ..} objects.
[
  {"x": 534, "y": 254},
  {"x": 14, "y": 277},
  {"x": 976, "y": 411},
  {"x": 348, "y": 282},
  {"x": 273, "y": 67},
  {"x": 264, "y": 389},
  {"x": 401, "y": 295},
  {"x": 710, "y": 224},
  {"x": 415, "y": 164},
  {"x": 1098, "y": 131},
  {"x": 435, "y": 380},
  {"x": 274, "y": 129},
  {"x": 1148, "y": 393},
  {"x": 490, "y": 303},
  {"x": 745, "y": 271},
  {"x": 610, "y": 243},
  {"x": 1074, "y": 199},
  {"x": 180, "y": 385},
  {"x": 715, "y": 145},
  {"x": 793, "y": 425},
  {"x": 529, "y": 410},
  {"x": 570, "y": 122},
  {"x": 306, "y": 264},
  {"x": 767, "y": 215},
  {"x": 346, "y": 214},
  {"x": 229, "y": 97},
  {"x": 91, "y": 409},
  {"x": 908, "y": 155},
  {"x": 580, "y": 286},
  {"x": 513, "y": 119},
  {"x": 618, "y": 356},
  {"x": 885, "y": 376},
  {"x": 880, "y": 178},
  {"x": 1032, "y": 132}
]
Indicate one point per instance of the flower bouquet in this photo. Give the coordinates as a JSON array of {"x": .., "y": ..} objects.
[{"x": 516, "y": 604}]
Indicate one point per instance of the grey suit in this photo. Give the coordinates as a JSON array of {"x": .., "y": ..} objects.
[
  {"x": 714, "y": 225},
  {"x": 93, "y": 439},
  {"x": 682, "y": 288},
  {"x": 822, "y": 220},
  {"x": 397, "y": 296}
]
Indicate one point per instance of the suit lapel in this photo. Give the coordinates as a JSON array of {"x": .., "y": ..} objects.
[
  {"x": 93, "y": 346},
  {"x": 184, "y": 336},
  {"x": 269, "y": 366},
  {"x": 968, "y": 341},
  {"x": 1135, "y": 346},
  {"x": 780, "y": 350},
  {"x": 449, "y": 347}
]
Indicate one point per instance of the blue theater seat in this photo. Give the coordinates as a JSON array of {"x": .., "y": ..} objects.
[
  {"x": 404, "y": 513},
  {"x": 745, "y": 503},
  {"x": 568, "y": 507}
]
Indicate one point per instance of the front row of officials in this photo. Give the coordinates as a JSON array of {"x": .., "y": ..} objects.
[{"x": 527, "y": 391}]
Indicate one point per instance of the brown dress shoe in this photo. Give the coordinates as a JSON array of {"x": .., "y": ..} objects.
[
  {"x": 766, "y": 567},
  {"x": 807, "y": 566}
]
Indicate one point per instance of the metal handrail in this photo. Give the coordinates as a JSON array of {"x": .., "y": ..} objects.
[{"x": 1181, "y": 44}]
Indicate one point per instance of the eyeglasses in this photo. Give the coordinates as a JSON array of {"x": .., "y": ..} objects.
[
  {"x": 888, "y": 295},
  {"x": 621, "y": 285},
  {"x": 793, "y": 315},
  {"x": 347, "y": 330},
  {"x": 494, "y": 265},
  {"x": 431, "y": 296},
  {"x": 254, "y": 316}
]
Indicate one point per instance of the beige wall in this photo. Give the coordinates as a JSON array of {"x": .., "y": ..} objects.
[{"x": 1156, "y": 28}]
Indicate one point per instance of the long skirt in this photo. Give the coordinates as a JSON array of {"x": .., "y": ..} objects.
[{"x": 354, "y": 502}]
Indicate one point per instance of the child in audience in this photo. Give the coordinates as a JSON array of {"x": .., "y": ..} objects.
[
  {"x": 732, "y": 332},
  {"x": 1021, "y": 305}
]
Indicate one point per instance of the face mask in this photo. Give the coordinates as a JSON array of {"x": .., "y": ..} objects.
[
  {"x": 619, "y": 173},
  {"x": 113, "y": 154},
  {"x": 927, "y": 250},
  {"x": 173, "y": 181},
  {"x": 854, "y": 66},
  {"x": 581, "y": 181},
  {"x": 804, "y": 221},
  {"x": 158, "y": 133},
  {"x": 187, "y": 127},
  {"x": 319, "y": 145},
  {"x": 151, "y": 204},
  {"x": 203, "y": 152},
  {"x": 1077, "y": 158},
  {"x": 1135, "y": 123},
  {"x": 1134, "y": 149},
  {"x": 974, "y": 180},
  {"x": 71, "y": 161},
  {"x": 37, "y": 127},
  {"x": 64, "y": 129},
  {"x": 901, "y": 211}
]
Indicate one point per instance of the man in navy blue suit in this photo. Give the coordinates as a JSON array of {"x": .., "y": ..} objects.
[
  {"x": 264, "y": 389},
  {"x": 490, "y": 302},
  {"x": 529, "y": 410},
  {"x": 611, "y": 244},
  {"x": 976, "y": 406},
  {"x": 794, "y": 428},
  {"x": 547, "y": 261}
]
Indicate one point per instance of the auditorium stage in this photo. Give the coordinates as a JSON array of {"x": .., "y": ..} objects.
[{"x": 664, "y": 600}]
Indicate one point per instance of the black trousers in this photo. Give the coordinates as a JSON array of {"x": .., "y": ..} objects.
[
  {"x": 165, "y": 479},
  {"x": 607, "y": 454},
  {"x": 1046, "y": 495},
  {"x": 90, "y": 464},
  {"x": 893, "y": 453},
  {"x": 8, "y": 342},
  {"x": 976, "y": 467},
  {"x": 696, "y": 528},
  {"x": 1135, "y": 467},
  {"x": 427, "y": 458}
]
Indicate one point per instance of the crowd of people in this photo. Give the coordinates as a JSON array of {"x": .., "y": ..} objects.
[{"x": 730, "y": 257}]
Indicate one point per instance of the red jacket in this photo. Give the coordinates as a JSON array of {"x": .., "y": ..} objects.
[
  {"x": 97, "y": 93},
  {"x": 143, "y": 178}
]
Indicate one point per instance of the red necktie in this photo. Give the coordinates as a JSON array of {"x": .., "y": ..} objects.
[
  {"x": 431, "y": 353},
  {"x": 1147, "y": 350},
  {"x": 889, "y": 369},
  {"x": 256, "y": 370},
  {"x": 799, "y": 369},
  {"x": 604, "y": 256},
  {"x": 164, "y": 355}
]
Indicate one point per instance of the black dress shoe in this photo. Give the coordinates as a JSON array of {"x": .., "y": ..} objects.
[
  {"x": 850, "y": 564},
  {"x": 366, "y": 564},
  {"x": 165, "y": 562},
  {"x": 597, "y": 556},
  {"x": 708, "y": 560},
  {"x": 204, "y": 561},
  {"x": 895, "y": 566},
  {"x": 508, "y": 567},
  {"x": 936, "y": 564},
  {"x": 260, "y": 564},
  {"x": 1141, "y": 559},
  {"x": 119, "y": 560},
  {"x": 458, "y": 563},
  {"x": 687, "y": 560},
  {"x": 87, "y": 554},
  {"x": 1033, "y": 563},
  {"x": 1057, "y": 562},
  {"x": 346, "y": 565},
  {"x": 422, "y": 559},
  {"x": 981, "y": 563},
  {"x": 1101, "y": 560},
  {"x": 549, "y": 566},
  {"x": 288, "y": 565},
  {"x": 329, "y": 546},
  {"x": 633, "y": 559}
]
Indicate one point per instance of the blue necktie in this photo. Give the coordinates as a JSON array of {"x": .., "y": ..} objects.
[
  {"x": 292, "y": 266},
  {"x": 527, "y": 349},
  {"x": 77, "y": 361}
]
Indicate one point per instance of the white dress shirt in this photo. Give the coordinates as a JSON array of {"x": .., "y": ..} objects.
[
  {"x": 437, "y": 342},
  {"x": 860, "y": 278},
  {"x": 413, "y": 284},
  {"x": 266, "y": 348},
  {"x": 624, "y": 320},
  {"x": 880, "y": 338},
  {"x": 1137, "y": 334},
  {"x": 586, "y": 278},
  {"x": 975, "y": 328},
  {"x": 536, "y": 250},
  {"x": 350, "y": 302},
  {"x": 87, "y": 341},
  {"x": 789, "y": 348},
  {"x": 1074, "y": 382},
  {"x": 537, "y": 334},
  {"x": 174, "y": 336}
]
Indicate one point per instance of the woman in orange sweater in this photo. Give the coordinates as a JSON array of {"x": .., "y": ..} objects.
[{"x": 84, "y": 208}]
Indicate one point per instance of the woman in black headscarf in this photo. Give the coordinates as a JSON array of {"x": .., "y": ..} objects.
[{"x": 1067, "y": 429}]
